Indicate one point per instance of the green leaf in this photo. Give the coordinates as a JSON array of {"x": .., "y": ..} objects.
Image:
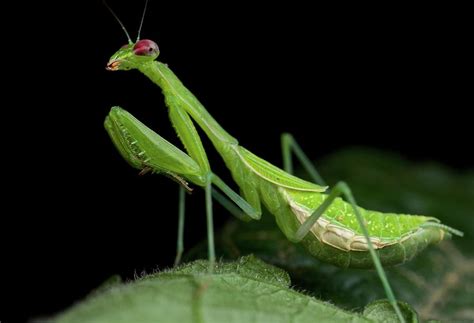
[
  {"x": 382, "y": 311},
  {"x": 439, "y": 283},
  {"x": 247, "y": 290}
]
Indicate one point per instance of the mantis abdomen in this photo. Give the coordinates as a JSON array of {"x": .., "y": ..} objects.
[{"x": 336, "y": 237}]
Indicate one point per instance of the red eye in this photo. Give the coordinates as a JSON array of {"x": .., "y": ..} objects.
[{"x": 146, "y": 47}]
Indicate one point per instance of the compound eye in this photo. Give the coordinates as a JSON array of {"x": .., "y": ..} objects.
[{"x": 146, "y": 47}]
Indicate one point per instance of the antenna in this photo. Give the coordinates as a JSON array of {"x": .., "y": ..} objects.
[
  {"x": 118, "y": 20},
  {"x": 141, "y": 22}
]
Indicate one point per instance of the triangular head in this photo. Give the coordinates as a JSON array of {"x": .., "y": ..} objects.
[{"x": 133, "y": 55}]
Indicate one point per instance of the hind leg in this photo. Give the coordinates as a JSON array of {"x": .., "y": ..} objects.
[{"x": 339, "y": 189}]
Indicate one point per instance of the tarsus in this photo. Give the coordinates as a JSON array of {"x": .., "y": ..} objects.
[{"x": 443, "y": 227}]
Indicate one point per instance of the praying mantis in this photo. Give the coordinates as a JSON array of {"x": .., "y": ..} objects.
[{"x": 332, "y": 229}]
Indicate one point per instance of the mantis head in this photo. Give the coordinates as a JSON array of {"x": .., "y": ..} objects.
[{"x": 133, "y": 55}]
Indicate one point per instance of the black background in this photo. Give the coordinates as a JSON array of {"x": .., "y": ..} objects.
[{"x": 389, "y": 78}]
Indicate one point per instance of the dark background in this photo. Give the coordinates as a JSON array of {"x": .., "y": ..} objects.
[{"x": 76, "y": 213}]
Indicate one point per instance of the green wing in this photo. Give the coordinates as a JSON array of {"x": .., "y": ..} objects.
[{"x": 276, "y": 175}]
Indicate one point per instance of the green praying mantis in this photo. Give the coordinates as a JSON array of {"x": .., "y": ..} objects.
[{"x": 332, "y": 229}]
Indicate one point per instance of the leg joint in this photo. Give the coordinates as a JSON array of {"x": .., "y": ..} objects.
[
  {"x": 343, "y": 187},
  {"x": 286, "y": 137}
]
